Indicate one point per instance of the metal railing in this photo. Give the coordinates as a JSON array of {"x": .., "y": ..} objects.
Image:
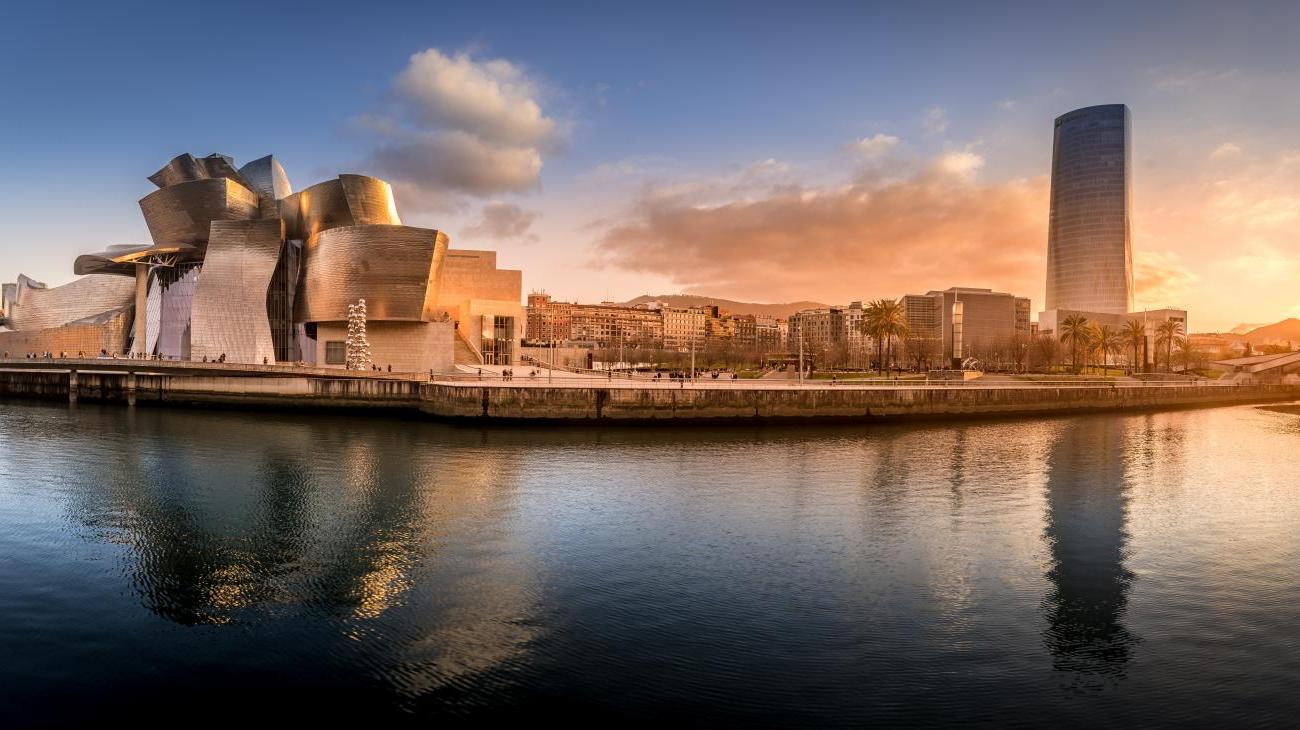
[{"x": 568, "y": 380}]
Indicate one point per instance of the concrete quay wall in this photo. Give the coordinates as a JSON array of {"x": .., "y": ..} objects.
[
  {"x": 312, "y": 392},
  {"x": 456, "y": 401},
  {"x": 656, "y": 404}
]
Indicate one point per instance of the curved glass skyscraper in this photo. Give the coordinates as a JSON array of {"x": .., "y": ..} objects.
[{"x": 1089, "y": 254}]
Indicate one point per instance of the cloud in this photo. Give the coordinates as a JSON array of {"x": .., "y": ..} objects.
[
  {"x": 933, "y": 229},
  {"x": 875, "y": 145},
  {"x": 503, "y": 221},
  {"x": 493, "y": 99},
  {"x": 961, "y": 164},
  {"x": 935, "y": 120},
  {"x": 437, "y": 164},
  {"x": 456, "y": 126},
  {"x": 1161, "y": 279},
  {"x": 1225, "y": 151}
]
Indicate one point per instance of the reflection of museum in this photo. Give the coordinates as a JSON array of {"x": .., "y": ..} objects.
[{"x": 242, "y": 266}]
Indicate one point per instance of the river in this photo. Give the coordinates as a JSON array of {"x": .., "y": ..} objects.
[{"x": 230, "y": 566}]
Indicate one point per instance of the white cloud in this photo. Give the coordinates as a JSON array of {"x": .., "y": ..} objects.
[
  {"x": 458, "y": 126},
  {"x": 960, "y": 164},
  {"x": 492, "y": 99},
  {"x": 935, "y": 120},
  {"x": 875, "y": 145}
]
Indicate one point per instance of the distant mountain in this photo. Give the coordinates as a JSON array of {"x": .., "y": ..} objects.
[
  {"x": 1245, "y": 327},
  {"x": 690, "y": 300},
  {"x": 1288, "y": 330}
]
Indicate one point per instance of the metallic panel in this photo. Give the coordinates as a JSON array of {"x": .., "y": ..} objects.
[
  {"x": 172, "y": 312},
  {"x": 182, "y": 213},
  {"x": 106, "y": 331},
  {"x": 394, "y": 268},
  {"x": 121, "y": 259},
  {"x": 266, "y": 177},
  {"x": 1089, "y": 251},
  {"x": 36, "y": 308},
  {"x": 346, "y": 201},
  {"x": 318, "y": 208},
  {"x": 371, "y": 200},
  {"x": 229, "y": 315},
  {"x": 187, "y": 168}
]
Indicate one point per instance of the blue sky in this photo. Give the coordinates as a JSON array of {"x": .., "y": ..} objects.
[{"x": 830, "y": 151}]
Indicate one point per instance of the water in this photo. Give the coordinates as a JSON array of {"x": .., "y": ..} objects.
[{"x": 221, "y": 566}]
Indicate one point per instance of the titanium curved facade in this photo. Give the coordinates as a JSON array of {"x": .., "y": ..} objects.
[
  {"x": 1089, "y": 249},
  {"x": 241, "y": 266},
  {"x": 37, "y": 308},
  {"x": 348, "y": 200},
  {"x": 230, "y": 300},
  {"x": 187, "y": 167},
  {"x": 394, "y": 268},
  {"x": 183, "y": 213},
  {"x": 121, "y": 259},
  {"x": 266, "y": 177}
]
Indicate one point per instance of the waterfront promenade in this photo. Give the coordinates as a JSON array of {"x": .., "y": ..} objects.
[{"x": 552, "y": 396}]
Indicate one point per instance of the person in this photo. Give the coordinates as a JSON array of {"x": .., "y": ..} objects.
[
  {"x": 264, "y": 360},
  {"x": 390, "y": 367}
]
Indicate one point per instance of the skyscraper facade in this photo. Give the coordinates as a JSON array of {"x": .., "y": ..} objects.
[{"x": 1089, "y": 252}]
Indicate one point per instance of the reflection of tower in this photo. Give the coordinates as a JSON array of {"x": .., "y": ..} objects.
[{"x": 1086, "y": 514}]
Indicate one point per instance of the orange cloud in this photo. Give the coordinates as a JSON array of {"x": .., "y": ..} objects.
[{"x": 935, "y": 229}]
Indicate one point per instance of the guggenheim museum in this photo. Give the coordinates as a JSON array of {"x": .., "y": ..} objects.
[{"x": 243, "y": 269}]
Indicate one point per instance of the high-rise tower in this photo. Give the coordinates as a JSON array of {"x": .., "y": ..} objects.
[{"x": 1089, "y": 253}]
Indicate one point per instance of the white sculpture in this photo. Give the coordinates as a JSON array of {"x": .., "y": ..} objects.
[{"x": 358, "y": 347}]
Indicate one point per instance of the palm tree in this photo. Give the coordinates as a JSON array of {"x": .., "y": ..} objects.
[
  {"x": 1166, "y": 332},
  {"x": 1135, "y": 331},
  {"x": 1108, "y": 340},
  {"x": 871, "y": 325},
  {"x": 1075, "y": 331},
  {"x": 885, "y": 320}
]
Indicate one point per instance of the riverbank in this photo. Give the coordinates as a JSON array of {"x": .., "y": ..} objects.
[{"x": 621, "y": 401}]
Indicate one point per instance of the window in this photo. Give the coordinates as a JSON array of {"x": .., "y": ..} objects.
[{"x": 336, "y": 352}]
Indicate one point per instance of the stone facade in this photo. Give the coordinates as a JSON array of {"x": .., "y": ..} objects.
[{"x": 409, "y": 347}]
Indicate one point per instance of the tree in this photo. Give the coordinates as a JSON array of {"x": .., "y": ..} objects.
[
  {"x": 1135, "y": 331},
  {"x": 884, "y": 321},
  {"x": 1166, "y": 333},
  {"x": 1108, "y": 340},
  {"x": 1075, "y": 331}
]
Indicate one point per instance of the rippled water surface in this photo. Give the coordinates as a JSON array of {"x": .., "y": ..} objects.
[{"x": 232, "y": 566}]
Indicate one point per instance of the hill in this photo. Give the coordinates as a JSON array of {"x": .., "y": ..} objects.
[
  {"x": 690, "y": 300},
  {"x": 1286, "y": 330}
]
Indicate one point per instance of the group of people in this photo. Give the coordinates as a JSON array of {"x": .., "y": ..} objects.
[
  {"x": 680, "y": 375},
  {"x": 63, "y": 355}
]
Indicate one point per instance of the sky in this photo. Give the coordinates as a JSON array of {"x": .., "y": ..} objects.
[{"x": 757, "y": 151}]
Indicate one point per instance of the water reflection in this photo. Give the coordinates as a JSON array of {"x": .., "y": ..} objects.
[{"x": 1086, "y": 531}]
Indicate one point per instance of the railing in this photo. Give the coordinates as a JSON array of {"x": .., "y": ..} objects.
[{"x": 567, "y": 380}]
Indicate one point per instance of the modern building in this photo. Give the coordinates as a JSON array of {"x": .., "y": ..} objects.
[
  {"x": 967, "y": 322},
  {"x": 1089, "y": 252},
  {"x": 244, "y": 270},
  {"x": 1049, "y": 323}
]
